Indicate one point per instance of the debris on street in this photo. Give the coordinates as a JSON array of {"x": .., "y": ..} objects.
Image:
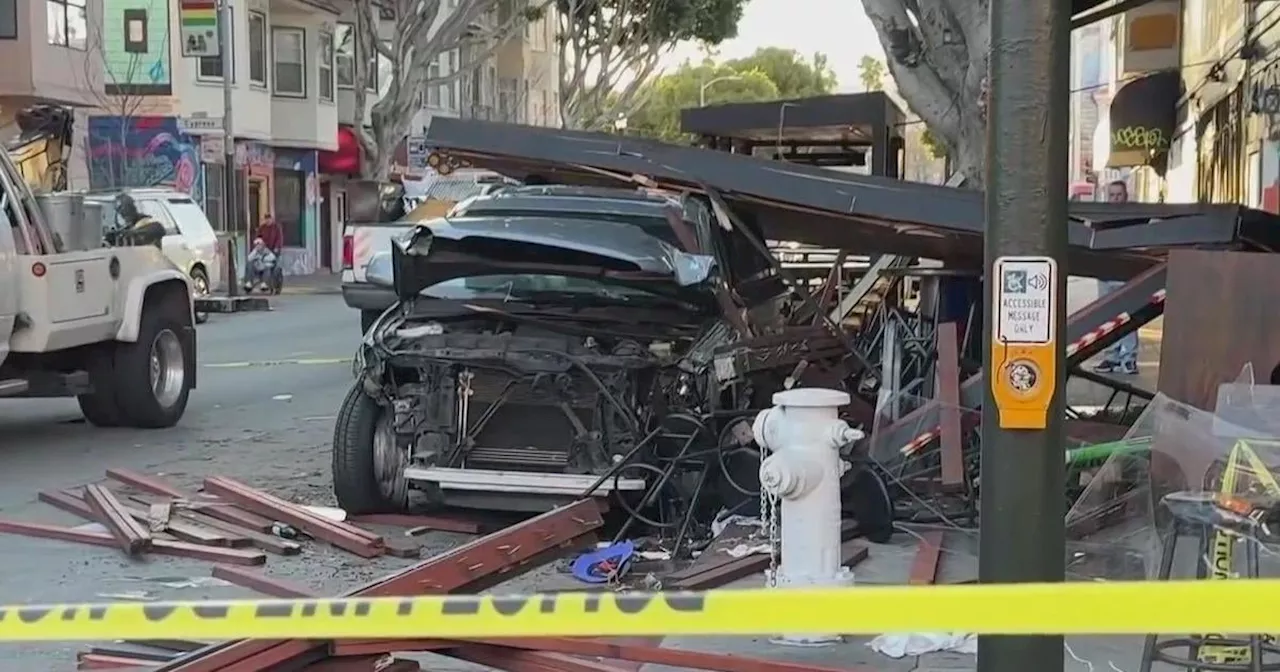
[
  {"x": 469, "y": 568},
  {"x": 230, "y": 523}
]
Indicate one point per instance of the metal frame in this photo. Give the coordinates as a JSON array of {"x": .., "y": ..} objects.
[{"x": 827, "y": 208}]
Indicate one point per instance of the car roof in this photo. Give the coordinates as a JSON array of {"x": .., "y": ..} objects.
[
  {"x": 579, "y": 200},
  {"x": 141, "y": 192}
]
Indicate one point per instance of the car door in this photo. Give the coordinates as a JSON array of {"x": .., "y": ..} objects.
[
  {"x": 175, "y": 245},
  {"x": 196, "y": 233}
]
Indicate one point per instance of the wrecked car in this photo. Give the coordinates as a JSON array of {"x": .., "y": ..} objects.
[{"x": 530, "y": 359}]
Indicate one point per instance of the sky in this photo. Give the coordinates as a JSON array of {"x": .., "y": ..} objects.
[{"x": 843, "y": 33}]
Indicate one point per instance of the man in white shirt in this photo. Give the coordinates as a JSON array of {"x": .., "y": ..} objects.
[{"x": 1123, "y": 356}]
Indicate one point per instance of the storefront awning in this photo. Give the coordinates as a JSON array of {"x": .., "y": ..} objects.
[
  {"x": 1142, "y": 119},
  {"x": 346, "y": 159}
]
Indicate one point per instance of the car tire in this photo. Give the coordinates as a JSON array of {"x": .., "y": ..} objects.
[
  {"x": 200, "y": 288},
  {"x": 99, "y": 406},
  {"x": 355, "y": 474},
  {"x": 367, "y": 318},
  {"x": 159, "y": 339}
]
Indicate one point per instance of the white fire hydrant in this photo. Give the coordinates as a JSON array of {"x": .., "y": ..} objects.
[{"x": 804, "y": 436}]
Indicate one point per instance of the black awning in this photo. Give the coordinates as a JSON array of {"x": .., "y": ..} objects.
[{"x": 1143, "y": 117}]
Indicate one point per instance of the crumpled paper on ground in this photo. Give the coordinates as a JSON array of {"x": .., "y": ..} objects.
[{"x": 920, "y": 643}]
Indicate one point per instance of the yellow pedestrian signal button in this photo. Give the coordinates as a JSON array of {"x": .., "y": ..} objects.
[{"x": 1024, "y": 352}]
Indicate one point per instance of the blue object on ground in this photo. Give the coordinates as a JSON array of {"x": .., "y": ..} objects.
[{"x": 604, "y": 564}]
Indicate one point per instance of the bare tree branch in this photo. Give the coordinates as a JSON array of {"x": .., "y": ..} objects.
[{"x": 422, "y": 31}]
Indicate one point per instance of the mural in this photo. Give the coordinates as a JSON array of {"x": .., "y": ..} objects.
[
  {"x": 135, "y": 47},
  {"x": 143, "y": 152}
]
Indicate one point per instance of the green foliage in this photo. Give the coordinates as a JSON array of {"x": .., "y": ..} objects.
[
  {"x": 630, "y": 22},
  {"x": 931, "y": 142},
  {"x": 871, "y": 72},
  {"x": 793, "y": 74},
  {"x": 659, "y": 117},
  {"x": 771, "y": 73}
]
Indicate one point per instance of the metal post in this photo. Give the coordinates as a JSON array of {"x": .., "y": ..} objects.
[
  {"x": 1022, "y": 531},
  {"x": 229, "y": 203}
]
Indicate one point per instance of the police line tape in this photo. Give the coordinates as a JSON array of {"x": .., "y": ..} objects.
[{"x": 1064, "y": 608}]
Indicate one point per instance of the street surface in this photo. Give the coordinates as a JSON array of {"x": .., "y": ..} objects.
[{"x": 269, "y": 388}]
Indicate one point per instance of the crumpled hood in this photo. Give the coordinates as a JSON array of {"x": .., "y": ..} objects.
[{"x": 613, "y": 252}]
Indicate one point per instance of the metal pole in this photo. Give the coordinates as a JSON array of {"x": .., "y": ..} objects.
[
  {"x": 229, "y": 202},
  {"x": 1022, "y": 535}
]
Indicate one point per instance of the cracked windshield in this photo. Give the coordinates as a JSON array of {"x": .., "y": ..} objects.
[{"x": 591, "y": 335}]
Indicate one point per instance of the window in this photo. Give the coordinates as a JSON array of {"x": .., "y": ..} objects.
[
  {"x": 290, "y": 202},
  {"x": 540, "y": 34},
  {"x": 258, "y": 48},
  {"x": 211, "y": 66},
  {"x": 8, "y": 19},
  {"x": 68, "y": 23},
  {"x": 379, "y": 69},
  {"x": 213, "y": 189},
  {"x": 451, "y": 89},
  {"x": 135, "y": 31},
  {"x": 433, "y": 90},
  {"x": 326, "y": 66},
  {"x": 344, "y": 55},
  {"x": 289, "y": 49},
  {"x": 154, "y": 210}
]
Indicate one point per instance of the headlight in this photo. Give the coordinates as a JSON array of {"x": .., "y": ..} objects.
[{"x": 417, "y": 330}]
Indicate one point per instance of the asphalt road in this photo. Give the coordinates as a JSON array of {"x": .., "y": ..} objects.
[{"x": 269, "y": 387}]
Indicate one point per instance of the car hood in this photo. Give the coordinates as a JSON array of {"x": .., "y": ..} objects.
[{"x": 610, "y": 252}]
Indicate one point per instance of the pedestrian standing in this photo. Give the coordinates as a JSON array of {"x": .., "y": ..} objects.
[{"x": 1123, "y": 356}]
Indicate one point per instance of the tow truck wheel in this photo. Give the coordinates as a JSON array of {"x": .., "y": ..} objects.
[
  {"x": 151, "y": 373},
  {"x": 100, "y": 407},
  {"x": 368, "y": 467}
]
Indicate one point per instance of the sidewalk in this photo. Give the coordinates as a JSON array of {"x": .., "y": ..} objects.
[{"x": 322, "y": 282}]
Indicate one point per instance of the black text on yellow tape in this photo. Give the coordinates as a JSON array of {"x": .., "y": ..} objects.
[{"x": 1073, "y": 608}]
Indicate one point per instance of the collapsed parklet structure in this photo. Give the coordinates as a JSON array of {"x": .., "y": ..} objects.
[{"x": 911, "y": 368}]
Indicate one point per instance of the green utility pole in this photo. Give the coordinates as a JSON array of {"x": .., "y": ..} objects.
[{"x": 1022, "y": 507}]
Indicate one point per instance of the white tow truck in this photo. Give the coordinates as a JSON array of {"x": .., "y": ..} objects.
[{"x": 111, "y": 325}]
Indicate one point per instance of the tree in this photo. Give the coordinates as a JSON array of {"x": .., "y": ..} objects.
[
  {"x": 795, "y": 76},
  {"x": 937, "y": 55},
  {"x": 659, "y": 117},
  {"x": 610, "y": 49},
  {"x": 421, "y": 30},
  {"x": 871, "y": 73},
  {"x": 120, "y": 83}
]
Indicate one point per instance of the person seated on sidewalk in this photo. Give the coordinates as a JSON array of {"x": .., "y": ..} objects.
[{"x": 262, "y": 261}]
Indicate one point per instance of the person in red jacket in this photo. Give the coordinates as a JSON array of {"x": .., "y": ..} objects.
[{"x": 271, "y": 234}]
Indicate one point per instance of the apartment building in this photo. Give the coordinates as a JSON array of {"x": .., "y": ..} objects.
[
  {"x": 163, "y": 121},
  {"x": 517, "y": 83},
  {"x": 520, "y": 81},
  {"x": 47, "y": 48}
]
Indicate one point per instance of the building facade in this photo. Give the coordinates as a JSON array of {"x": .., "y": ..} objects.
[
  {"x": 162, "y": 123},
  {"x": 518, "y": 81},
  {"x": 51, "y": 54}
]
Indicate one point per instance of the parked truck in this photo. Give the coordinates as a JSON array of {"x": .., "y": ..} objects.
[{"x": 94, "y": 312}]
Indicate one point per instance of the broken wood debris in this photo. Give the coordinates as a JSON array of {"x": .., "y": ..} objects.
[
  {"x": 347, "y": 537},
  {"x": 155, "y": 517},
  {"x": 132, "y": 537},
  {"x": 471, "y": 568}
]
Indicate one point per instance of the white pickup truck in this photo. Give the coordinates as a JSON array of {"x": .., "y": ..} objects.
[
  {"x": 113, "y": 325},
  {"x": 376, "y": 213}
]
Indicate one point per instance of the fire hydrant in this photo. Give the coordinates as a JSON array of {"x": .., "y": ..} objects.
[{"x": 803, "y": 436}]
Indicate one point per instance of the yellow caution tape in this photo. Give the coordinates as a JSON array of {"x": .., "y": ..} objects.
[{"x": 1073, "y": 608}]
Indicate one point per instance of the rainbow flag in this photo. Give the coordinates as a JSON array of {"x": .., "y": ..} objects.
[{"x": 193, "y": 13}]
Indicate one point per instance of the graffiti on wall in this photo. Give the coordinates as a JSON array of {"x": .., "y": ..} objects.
[{"x": 143, "y": 152}]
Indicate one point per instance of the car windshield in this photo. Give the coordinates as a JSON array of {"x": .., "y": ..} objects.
[{"x": 530, "y": 286}]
